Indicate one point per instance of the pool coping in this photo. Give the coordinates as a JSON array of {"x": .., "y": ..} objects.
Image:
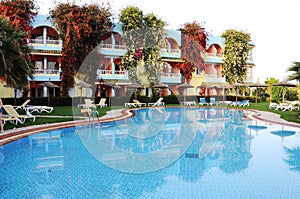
[
  {"x": 15, "y": 134},
  {"x": 118, "y": 114}
]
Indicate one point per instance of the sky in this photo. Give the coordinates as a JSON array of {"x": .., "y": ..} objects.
[{"x": 272, "y": 24}]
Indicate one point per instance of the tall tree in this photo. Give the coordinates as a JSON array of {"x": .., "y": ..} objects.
[
  {"x": 13, "y": 65},
  {"x": 81, "y": 29},
  {"x": 19, "y": 15},
  {"x": 235, "y": 55},
  {"x": 193, "y": 41},
  {"x": 295, "y": 68},
  {"x": 143, "y": 36}
]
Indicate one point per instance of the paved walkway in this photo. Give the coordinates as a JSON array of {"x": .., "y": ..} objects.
[{"x": 270, "y": 117}]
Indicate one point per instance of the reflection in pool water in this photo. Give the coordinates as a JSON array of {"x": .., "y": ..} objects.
[{"x": 190, "y": 153}]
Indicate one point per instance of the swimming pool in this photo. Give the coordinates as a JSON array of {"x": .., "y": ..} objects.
[{"x": 158, "y": 153}]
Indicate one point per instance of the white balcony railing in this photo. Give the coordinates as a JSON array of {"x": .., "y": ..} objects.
[
  {"x": 41, "y": 41},
  {"x": 35, "y": 41},
  {"x": 171, "y": 51},
  {"x": 175, "y": 75},
  {"x": 45, "y": 72},
  {"x": 110, "y": 72},
  {"x": 220, "y": 55},
  {"x": 53, "y": 42},
  {"x": 214, "y": 76},
  {"x": 112, "y": 46}
]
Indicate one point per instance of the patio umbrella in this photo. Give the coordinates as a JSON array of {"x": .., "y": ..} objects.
[
  {"x": 223, "y": 86},
  {"x": 283, "y": 133},
  {"x": 159, "y": 85},
  {"x": 113, "y": 86},
  {"x": 185, "y": 86},
  {"x": 237, "y": 85},
  {"x": 49, "y": 84},
  {"x": 134, "y": 86},
  {"x": 82, "y": 85},
  {"x": 284, "y": 84},
  {"x": 206, "y": 86},
  {"x": 257, "y": 85}
]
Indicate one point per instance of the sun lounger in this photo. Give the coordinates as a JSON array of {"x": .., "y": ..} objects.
[
  {"x": 38, "y": 109},
  {"x": 88, "y": 104},
  {"x": 138, "y": 103},
  {"x": 212, "y": 101},
  {"x": 203, "y": 102},
  {"x": 130, "y": 104},
  {"x": 188, "y": 103},
  {"x": 101, "y": 103},
  {"x": 22, "y": 106},
  {"x": 159, "y": 102},
  {"x": 10, "y": 119},
  {"x": 273, "y": 105},
  {"x": 242, "y": 103},
  {"x": 14, "y": 114},
  {"x": 286, "y": 107}
]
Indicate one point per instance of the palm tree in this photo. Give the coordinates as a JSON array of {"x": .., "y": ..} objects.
[
  {"x": 269, "y": 83},
  {"x": 296, "y": 69},
  {"x": 13, "y": 65}
]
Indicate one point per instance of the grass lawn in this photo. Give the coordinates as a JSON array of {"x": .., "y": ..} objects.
[
  {"x": 70, "y": 111},
  {"x": 291, "y": 116}
]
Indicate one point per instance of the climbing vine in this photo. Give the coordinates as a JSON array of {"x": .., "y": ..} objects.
[
  {"x": 143, "y": 36},
  {"x": 20, "y": 14},
  {"x": 193, "y": 41},
  {"x": 81, "y": 29}
]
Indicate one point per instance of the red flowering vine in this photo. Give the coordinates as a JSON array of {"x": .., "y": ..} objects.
[
  {"x": 81, "y": 29},
  {"x": 193, "y": 41}
]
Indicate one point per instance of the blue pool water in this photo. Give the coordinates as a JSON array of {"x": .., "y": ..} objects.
[{"x": 158, "y": 153}]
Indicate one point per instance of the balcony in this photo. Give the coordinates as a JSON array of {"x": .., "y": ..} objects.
[
  {"x": 40, "y": 44},
  {"x": 120, "y": 50},
  {"x": 170, "y": 53},
  {"x": 168, "y": 78},
  {"x": 214, "y": 58},
  {"x": 112, "y": 50},
  {"x": 45, "y": 75},
  {"x": 109, "y": 74},
  {"x": 215, "y": 78}
]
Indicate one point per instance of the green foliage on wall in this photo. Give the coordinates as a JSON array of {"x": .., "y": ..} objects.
[
  {"x": 235, "y": 55},
  {"x": 143, "y": 36}
]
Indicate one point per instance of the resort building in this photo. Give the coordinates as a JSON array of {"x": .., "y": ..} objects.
[{"x": 46, "y": 54}]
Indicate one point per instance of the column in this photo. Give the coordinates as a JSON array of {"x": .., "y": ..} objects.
[
  {"x": 45, "y": 65},
  {"x": 113, "y": 42},
  {"x": 113, "y": 94},
  {"x": 112, "y": 66},
  {"x": 45, "y": 35},
  {"x": 45, "y": 91},
  {"x": 169, "y": 46}
]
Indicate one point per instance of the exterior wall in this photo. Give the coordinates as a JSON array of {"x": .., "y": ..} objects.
[
  {"x": 6, "y": 92},
  {"x": 47, "y": 48}
]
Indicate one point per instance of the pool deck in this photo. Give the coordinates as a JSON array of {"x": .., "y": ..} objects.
[
  {"x": 271, "y": 118},
  {"x": 14, "y": 134}
]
